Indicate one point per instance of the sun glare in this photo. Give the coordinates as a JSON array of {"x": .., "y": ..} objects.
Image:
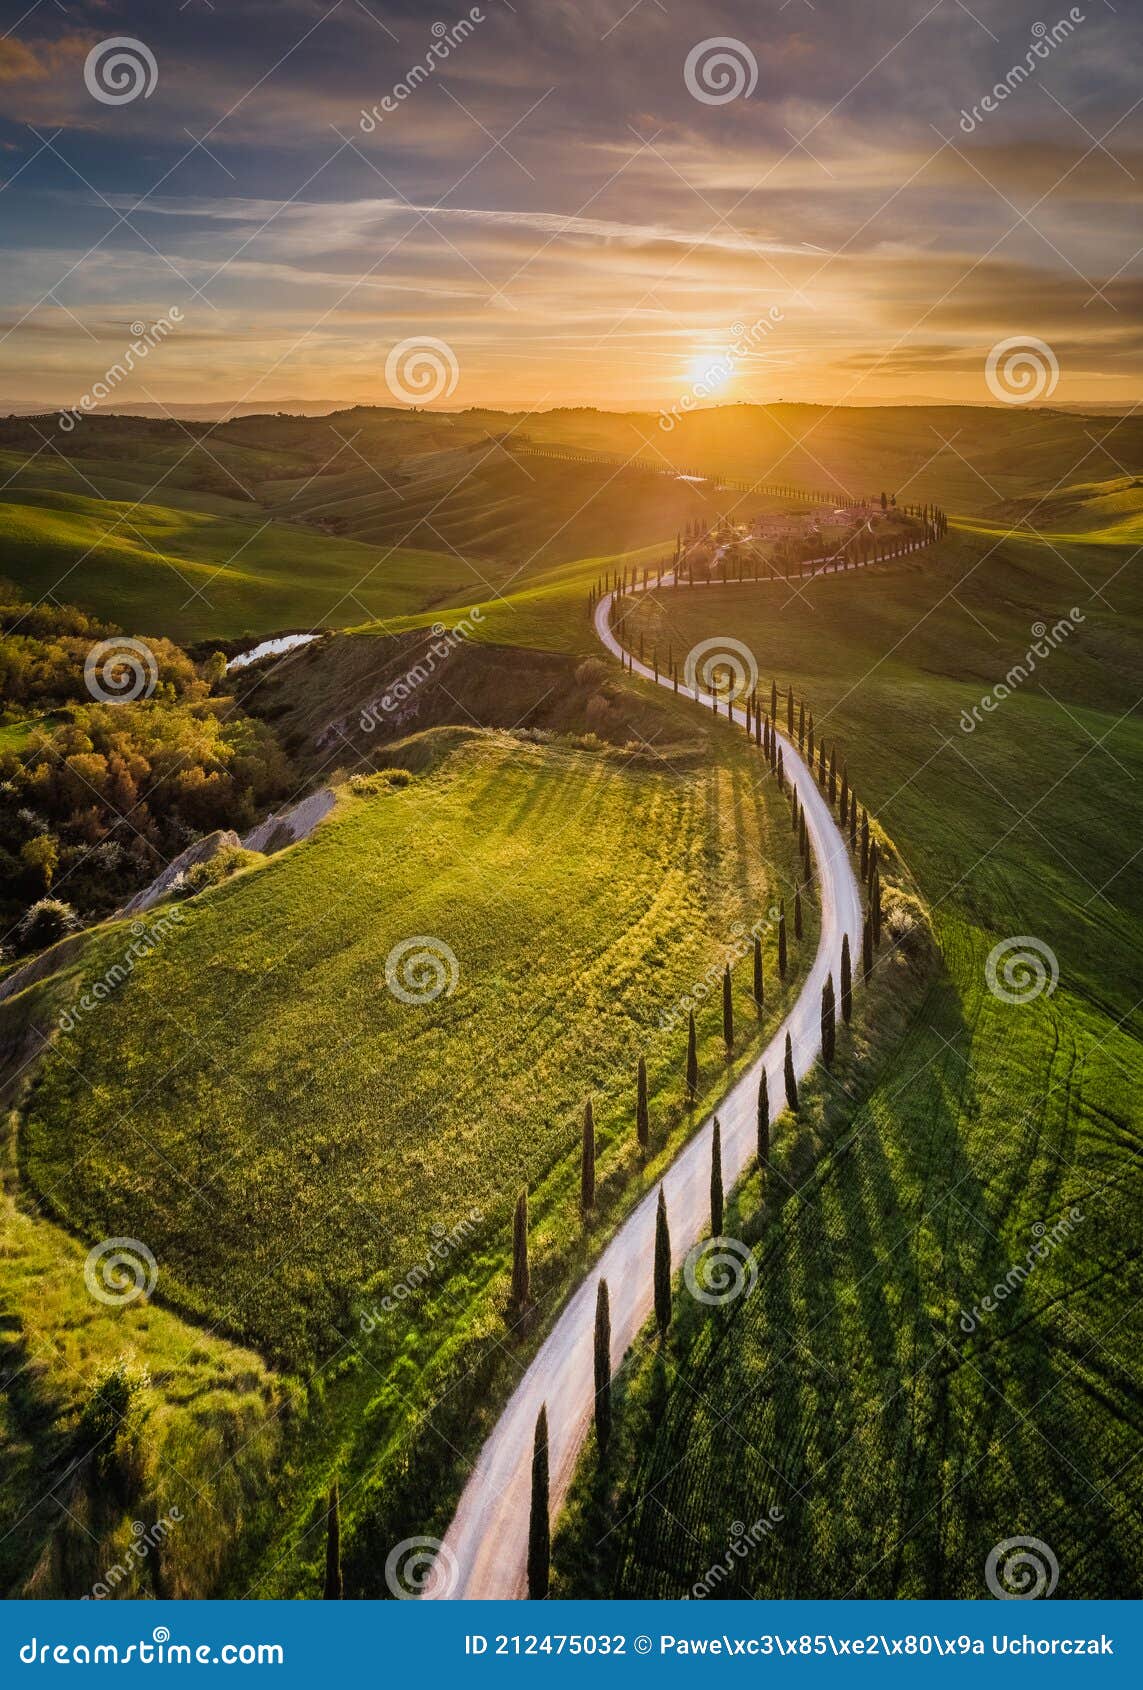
[{"x": 711, "y": 371}]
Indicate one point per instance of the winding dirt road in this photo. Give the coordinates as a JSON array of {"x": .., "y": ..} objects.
[{"x": 484, "y": 1554}]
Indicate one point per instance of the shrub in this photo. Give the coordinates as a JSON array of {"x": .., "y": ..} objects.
[
  {"x": 591, "y": 672},
  {"x": 48, "y": 920},
  {"x": 382, "y": 780},
  {"x": 216, "y": 869},
  {"x": 109, "y": 1425},
  {"x": 598, "y": 713}
]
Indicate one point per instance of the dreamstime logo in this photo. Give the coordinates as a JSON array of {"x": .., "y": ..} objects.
[
  {"x": 444, "y": 40},
  {"x": 144, "y": 942},
  {"x": 421, "y": 1567},
  {"x": 421, "y": 369},
  {"x": 1020, "y": 1569},
  {"x": 1020, "y": 969},
  {"x": 119, "y": 1271},
  {"x": 741, "y": 1541},
  {"x": 720, "y": 369},
  {"x": 444, "y": 642},
  {"x": 145, "y": 338},
  {"x": 719, "y": 70},
  {"x": 118, "y": 70},
  {"x": 445, "y": 1242},
  {"x": 144, "y": 1539},
  {"x": 1044, "y": 43},
  {"x": 1021, "y": 369},
  {"x": 740, "y": 945},
  {"x": 119, "y": 670},
  {"x": 421, "y": 969},
  {"x": 1046, "y": 1240},
  {"x": 1044, "y": 641},
  {"x": 721, "y": 666},
  {"x": 719, "y": 1270}
]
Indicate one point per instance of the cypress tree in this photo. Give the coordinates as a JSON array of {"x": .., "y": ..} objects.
[
  {"x": 875, "y": 907},
  {"x": 727, "y": 1010},
  {"x": 802, "y": 839},
  {"x": 692, "y": 1059},
  {"x": 864, "y": 842},
  {"x": 810, "y": 741},
  {"x": 763, "y": 1120},
  {"x": 773, "y": 701},
  {"x": 759, "y": 998},
  {"x": 821, "y": 763},
  {"x": 334, "y": 1589},
  {"x": 716, "y": 1196},
  {"x": 521, "y": 1278},
  {"x": 602, "y": 1365},
  {"x": 843, "y": 802},
  {"x": 539, "y": 1524},
  {"x": 790, "y": 1077},
  {"x": 852, "y": 820},
  {"x": 782, "y": 958},
  {"x": 781, "y": 772},
  {"x": 833, "y": 775},
  {"x": 587, "y": 1160},
  {"x": 829, "y": 1021},
  {"x": 662, "y": 1267},
  {"x": 846, "y": 982},
  {"x": 790, "y": 712},
  {"x": 797, "y": 912},
  {"x": 642, "y": 1114},
  {"x": 866, "y": 948}
]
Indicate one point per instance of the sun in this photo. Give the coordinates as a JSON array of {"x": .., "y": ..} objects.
[{"x": 710, "y": 371}]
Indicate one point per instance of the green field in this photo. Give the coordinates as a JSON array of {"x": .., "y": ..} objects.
[
  {"x": 291, "y": 1138},
  {"x": 211, "y": 1419},
  {"x": 192, "y": 576},
  {"x": 251, "y": 527},
  {"x": 899, "y": 1446}
]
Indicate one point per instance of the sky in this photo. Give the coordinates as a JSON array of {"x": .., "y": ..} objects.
[{"x": 571, "y": 202}]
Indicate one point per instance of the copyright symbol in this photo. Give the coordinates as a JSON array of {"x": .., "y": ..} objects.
[{"x": 642, "y": 1645}]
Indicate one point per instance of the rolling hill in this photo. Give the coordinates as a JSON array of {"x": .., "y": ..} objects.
[{"x": 900, "y": 1443}]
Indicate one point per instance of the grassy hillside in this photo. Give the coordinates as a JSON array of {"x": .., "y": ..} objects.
[
  {"x": 292, "y": 1138},
  {"x": 163, "y": 525},
  {"x": 282, "y": 975},
  {"x": 900, "y": 1444},
  {"x": 962, "y": 457},
  {"x": 202, "y": 1447},
  {"x": 531, "y": 510},
  {"x": 309, "y": 1137},
  {"x": 191, "y": 575}
]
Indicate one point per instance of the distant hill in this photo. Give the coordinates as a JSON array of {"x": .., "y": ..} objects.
[
  {"x": 252, "y": 525},
  {"x": 212, "y": 412}
]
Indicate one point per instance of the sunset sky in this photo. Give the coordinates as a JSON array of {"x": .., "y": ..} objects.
[{"x": 558, "y": 206}]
